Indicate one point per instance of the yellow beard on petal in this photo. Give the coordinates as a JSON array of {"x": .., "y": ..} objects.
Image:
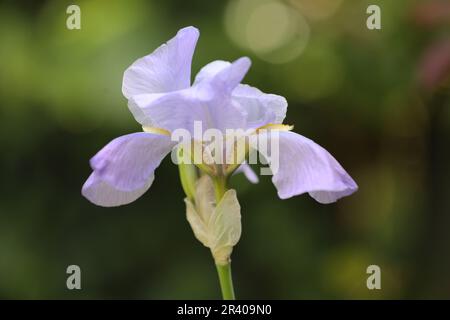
[
  {"x": 275, "y": 126},
  {"x": 156, "y": 130}
]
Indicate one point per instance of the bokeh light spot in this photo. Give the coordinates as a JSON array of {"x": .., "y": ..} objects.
[
  {"x": 272, "y": 30},
  {"x": 317, "y": 9},
  {"x": 275, "y": 16}
]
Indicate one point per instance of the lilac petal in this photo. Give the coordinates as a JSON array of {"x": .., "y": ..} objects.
[
  {"x": 170, "y": 111},
  {"x": 103, "y": 194},
  {"x": 248, "y": 172},
  {"x": 210, "y": 70},
  {"x": 304, "y": 166},
  {"x": 138, "y": 113},
  {"x": 229, "y": 77},
  {"x": 140, "y": 106},
  {"x": 222, "y": 113},
  {"x": 124, "y": 168},
  {"x": 208, "y": 101},
  {"x": 261, "y": 108},
  {"x": 167, "y": 69}
]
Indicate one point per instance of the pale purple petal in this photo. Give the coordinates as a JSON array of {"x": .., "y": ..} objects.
[
  {"x": 224, "y": 75},
  {"x": 137, "y": 111},
  {"x": 222, "y": 112},
  {"x": 208, "y": 101},
  {"x": 210, "y": 70},
  {"x": 260, "y": 108},
  {"x": 248, "y": 172},
  {"x": 167, "y": 69},
  {"x": 171, "y": 111},
  {"x": 124, "y": 168},
  {"x": 103, "y": 194},
  {"x": 304, "y": 166}
]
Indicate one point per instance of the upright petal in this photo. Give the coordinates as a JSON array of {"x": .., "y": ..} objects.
[
  {"x": 229, "y": 77},
  {"x": 171, "y": 111},
  {"x": 167, "y": 69},
  {"x": 124, "y": 168},
  {"x": 304, "y": 166},
  {"x": 261, "y": 108},
  {"x": 208, "y": 101},
  {"x": 210, "y": 70},
  {"x": 222, "y": 112}
]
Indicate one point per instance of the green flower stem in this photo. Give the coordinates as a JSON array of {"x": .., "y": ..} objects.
[
  {"x": 226, "y": 282},
  {"x": 223, "y": 270}
]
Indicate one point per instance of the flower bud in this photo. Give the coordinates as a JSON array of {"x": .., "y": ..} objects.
[{"x": 216, "y": 226}]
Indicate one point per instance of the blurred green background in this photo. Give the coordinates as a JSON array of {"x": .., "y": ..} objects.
[{"x": 378, "y": 100}]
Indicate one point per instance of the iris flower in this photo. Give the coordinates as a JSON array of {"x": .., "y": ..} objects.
[{"x": 162, "y": 99}]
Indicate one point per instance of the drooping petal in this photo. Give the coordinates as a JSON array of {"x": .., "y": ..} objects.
[
  {"x": 124, "y": 168},
  {"x": 304, "y": 166},
  {"x": 248, "y": 172},
  {"x": 208, "y": 102},
  {"x": 261, "y": 108},
  {"x": 103, "y": 194},
  {"x": 167, "y": 69}
]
